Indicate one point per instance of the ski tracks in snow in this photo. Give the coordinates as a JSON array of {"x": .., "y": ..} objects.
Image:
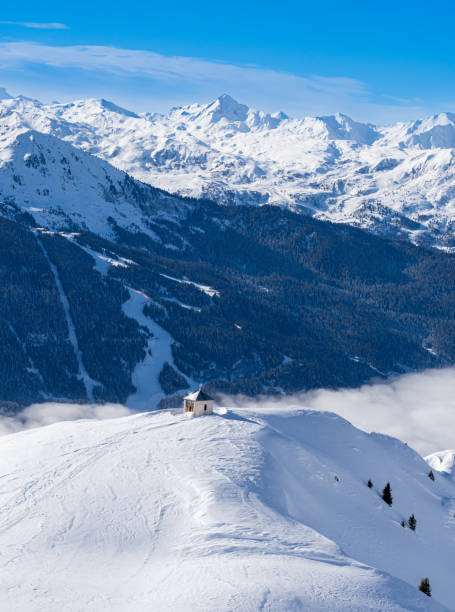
[
  {"x": 89, "y": 383},
  {"x": 163, "y": 512},
  {"x": 159, "y": 351}
]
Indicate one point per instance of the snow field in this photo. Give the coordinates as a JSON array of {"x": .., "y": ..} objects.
[{"x": 235, "y": 511}]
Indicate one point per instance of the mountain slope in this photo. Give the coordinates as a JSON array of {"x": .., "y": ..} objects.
[
  {"x": 144, "y": 316},
  {"x": 64, "y": 188},
  {"x": 235, "y": 511},
  {"x": 397, "y": 180},
  {"x": 113, "y": 290}
]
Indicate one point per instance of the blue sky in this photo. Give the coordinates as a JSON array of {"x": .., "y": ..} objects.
[{"x": 379, "y": 61}]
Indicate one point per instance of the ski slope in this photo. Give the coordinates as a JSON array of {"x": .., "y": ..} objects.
[
  {"x": 236, "y": 511},
  {"x": 159, "y": 352}
]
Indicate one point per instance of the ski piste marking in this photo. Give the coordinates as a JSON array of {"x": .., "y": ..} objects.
[{"x": 140, "y": 292}]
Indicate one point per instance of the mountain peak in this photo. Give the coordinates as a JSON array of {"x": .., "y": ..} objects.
[
  {"x": 444, "y": 117},
  {"x": 110, "y": 106},
  {"x": 280, "y": 116},
  {"x": 95, "y": 106},
  {"x": 226, "y": 107},
  {"x": 342, "y": 127},
  {"x": 227, "y": 99},
  {"x": 4, "y": 95}
]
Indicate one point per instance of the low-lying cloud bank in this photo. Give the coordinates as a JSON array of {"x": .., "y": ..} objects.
[
  {"x": 38, "y": 415},
  {"x": 416, "y": 408}
]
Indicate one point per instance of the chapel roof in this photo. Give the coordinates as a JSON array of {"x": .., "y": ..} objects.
[{"x": 198, "y": 396}]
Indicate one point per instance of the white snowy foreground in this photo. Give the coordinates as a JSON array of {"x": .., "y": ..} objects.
[{"x": 235, "y": 511}]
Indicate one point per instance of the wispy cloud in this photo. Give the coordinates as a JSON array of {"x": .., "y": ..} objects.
[
  {"x": 36, "y": 25},
  {"x": 182, "y": 80},
  {"x": 164, "y": 68}
]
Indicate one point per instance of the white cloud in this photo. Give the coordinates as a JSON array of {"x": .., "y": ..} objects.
[
  {"x": 36, "y": 25},
  {"x": 163, "y": 68},
  {"x": 416, "y": 408},
  {"x": 187, "y": 79},
  {"x": 47, "y": 413}
]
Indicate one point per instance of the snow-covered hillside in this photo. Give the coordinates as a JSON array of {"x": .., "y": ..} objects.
[
  {"x": 398, "y": 179},
  {"x": 65, "y": 188},
  {"x": 242, "y": 510}
]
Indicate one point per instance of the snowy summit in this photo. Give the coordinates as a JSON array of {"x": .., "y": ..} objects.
[
  {"x": 251, "y": 510},
  {"x": 397, "y": 180}
]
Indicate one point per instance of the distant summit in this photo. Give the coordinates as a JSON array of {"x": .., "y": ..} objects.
[
  {"x": 396, "y": 180},
  {"x": 4, "y": 95},
  {"x": 95, "y": 106},
  {"x": 225, "y": 113},
  {"x": 110, "y": 106},
  {"x": 342, "y": 127},
  {"x": 226, "y": 107},
  {"x": 437, "y": 131}
]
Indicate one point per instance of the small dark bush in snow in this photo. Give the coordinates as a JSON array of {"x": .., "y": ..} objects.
[
  {"x": 412, "y": 523},
  {"x": 370, "y": 484},
  {"x": 387, "y": 494},
  {"x": 424, "y": 586},
  {"x": 431, "y": 475}
]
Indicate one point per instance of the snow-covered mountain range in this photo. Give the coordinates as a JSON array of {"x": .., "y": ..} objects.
[
  {"x": 84, "y": 240},
  {"x": 242, "y": 510},
  {"x": 114, "y": 290},
  {"x": 150, "y": 291},
  {"x": 398, "y": 180}
]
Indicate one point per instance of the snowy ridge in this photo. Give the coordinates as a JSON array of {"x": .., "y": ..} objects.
[
  {"x": 398, "y": 179},
  {"x": 64, "y": 188},
  {"x": 236, "y": 511}
]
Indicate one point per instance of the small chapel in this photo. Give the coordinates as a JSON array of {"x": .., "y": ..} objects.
[{"x": 198, "y": 403}]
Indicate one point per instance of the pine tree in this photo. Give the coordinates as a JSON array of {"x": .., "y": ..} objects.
[
  {"x": 425, "y": 586},
  {"x": 403, "y": 524},
  {"x": 370, "y": 484},
  {"x": 387, "y": 494},
  {"x": 431, "y": 475},
  {"x": 412, "y": 523}
]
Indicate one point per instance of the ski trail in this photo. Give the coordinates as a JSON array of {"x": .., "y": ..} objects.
[
  {"x": 89, "y": 383},
  {"x": 146, "y": 373},
  {"x": 32, "y": 369}
]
